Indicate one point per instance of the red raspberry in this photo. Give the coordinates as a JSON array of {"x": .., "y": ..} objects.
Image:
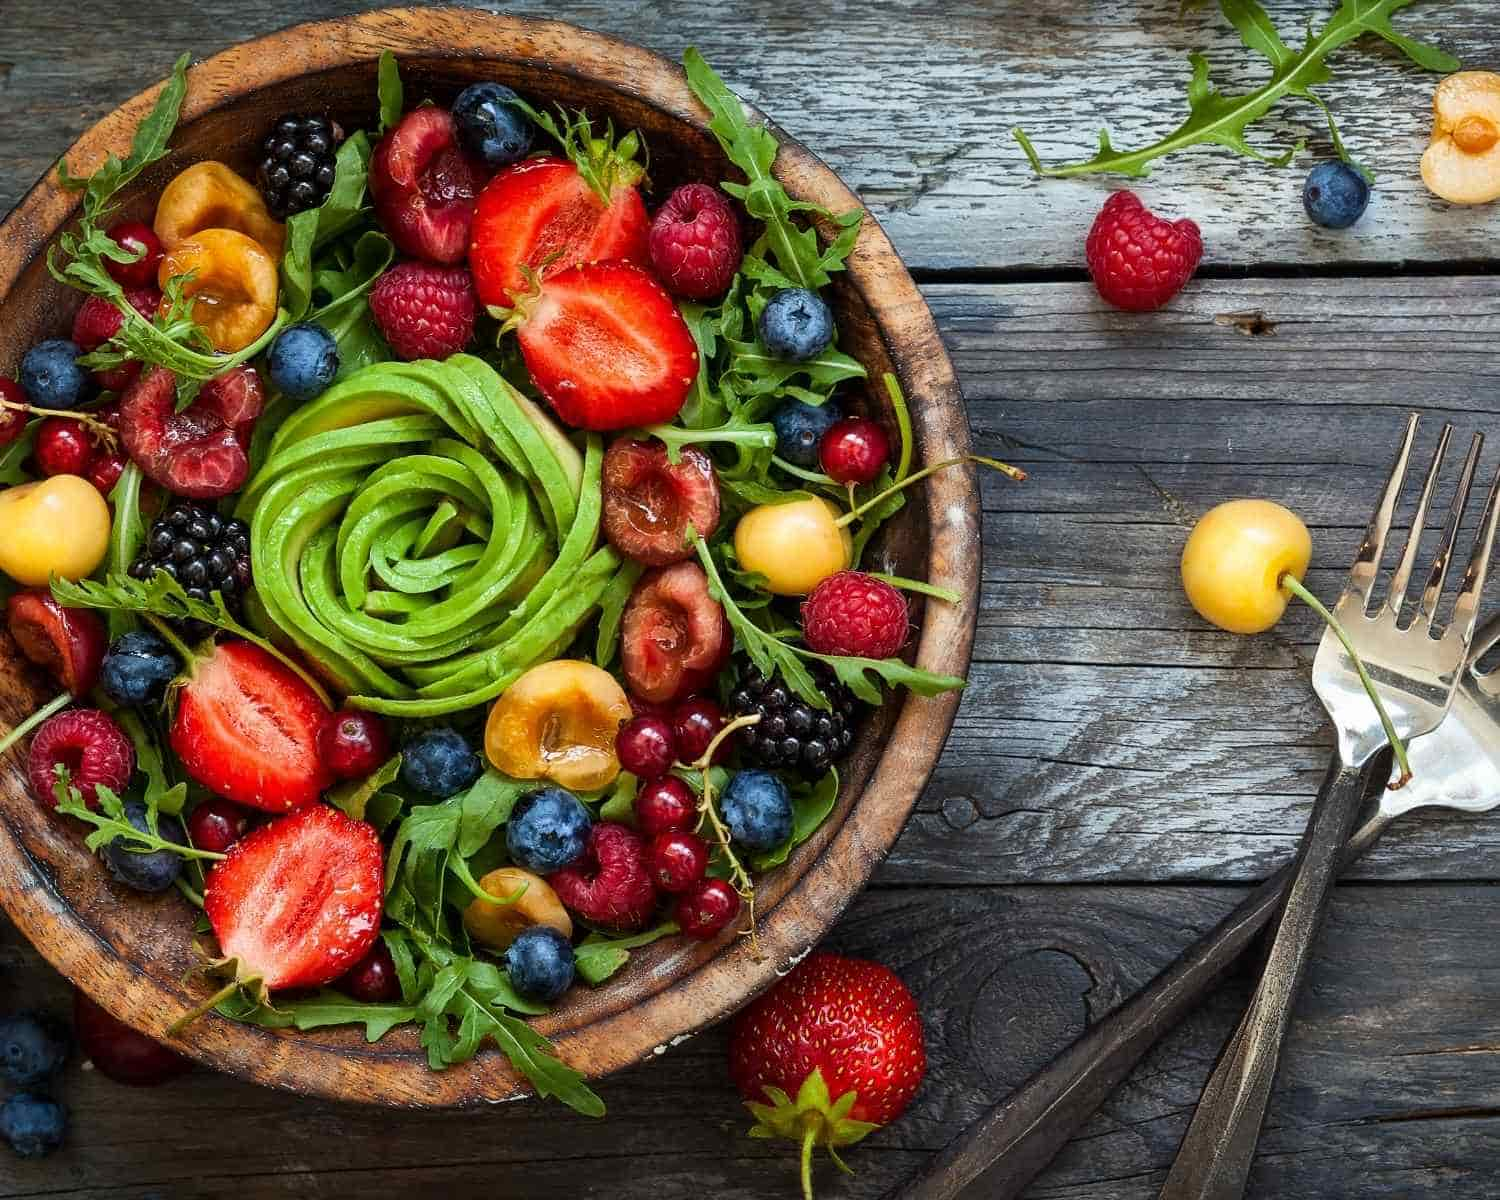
[
  {"x": 90, "y": 744},
  {"x": 1139, "y": 261},
  {"x": 695, "y": 242},
  {"x": 855, "y": 614},
  {"x": 99, "y": 320},
  {"x": 611, "y": 885},
  {"x": 424, "y": 311}
]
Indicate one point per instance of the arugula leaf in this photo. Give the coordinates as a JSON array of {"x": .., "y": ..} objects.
[
  {"x": 354, "y": 797},
  {"x": 598, "y": 956},
  {"x": 810, "y": 808},
  {"x": 126, "y": 536},
  {"x": 13, "y": 457},
  {"x": 306, "y": 230},
  {"x": 160, "y": 793},
  {"x": 1218, "y": 118},
  {"x": 325, "y": 1008},
  {"x": 619, "y": 802},
  {"x": 111, "y": 824},
  {"x": 389, "y": 90},
  {"x": 612, "y": 610}
]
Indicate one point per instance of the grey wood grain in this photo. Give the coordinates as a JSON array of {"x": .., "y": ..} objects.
[
  {"x": 1388, "y": 1089},
  {"x": 912, "y": 101}
]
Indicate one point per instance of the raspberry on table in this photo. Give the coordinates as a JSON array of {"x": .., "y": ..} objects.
[
  {"x": 424, "y": 311},
  {"x": 1140, "y": 261}
]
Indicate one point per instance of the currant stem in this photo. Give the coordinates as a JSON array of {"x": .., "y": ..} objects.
[
  {"x": 993, "y": 463},
  {"x": 1294, "y": 585},
  {"x": 210, "y": 1004},
  {"x": 708, "y": 811},
  {"x": 52, "y": 707},
  {"x": 95, "y": 426},
  {"x": 809, "y": 1140}
]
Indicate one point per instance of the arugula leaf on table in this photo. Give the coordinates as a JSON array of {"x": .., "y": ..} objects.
[
  {"x": 1218, "y": 118},
  {"x": 354, "y": 797},
  {"x": 599, "y": 956},
  {"x": 811, "y": 804}
]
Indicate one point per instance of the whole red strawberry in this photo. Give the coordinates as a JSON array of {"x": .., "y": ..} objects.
[
  {"x": 857, "y": 614},
  {"x": 695, "y": 242},
  {"x": 828, "y": 1055},
  {"x": 1140, "y": 261},
  {"x": 424, "y": 311}
]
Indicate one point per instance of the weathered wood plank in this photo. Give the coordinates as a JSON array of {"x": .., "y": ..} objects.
[
  {"x": 1005, "y": 978},
  {"x": 1100, "y": 703},
  {"x": 912, "y": 101}
]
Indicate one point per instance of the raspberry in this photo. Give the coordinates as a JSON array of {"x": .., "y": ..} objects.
[
  {"x": 90, "y": 744},
  {"x": 99, "y": 320},
  {"x": 1140, "y": 261},
  {"x": 695, "y": 242},
  {"x": 424, "y": 311},
  {"x": 856, "y": 614},
  {"x": 611, "y": 885}
]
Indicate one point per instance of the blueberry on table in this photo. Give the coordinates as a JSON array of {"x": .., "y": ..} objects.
[
  {"x": 540, "y": 964},
  {"x": 1335, "y": 195},
  {"x": 137, "y": 668},
  {"x": 151, "y": 872},
  {"x": 303, "y": 360},
  {"x": 490, "y": 126},
  {"x": 32, "y": 1049},
  {"x": 547, "y": 830},
  {"x": 758, "y": 810},
  {"x": 33, "y": 1125},
  {"x": 51, "y": 377},
  {"x": 439, "y": 764},
  {"x": 800, "y": 428},
  {"x": 796, "y": 325}
]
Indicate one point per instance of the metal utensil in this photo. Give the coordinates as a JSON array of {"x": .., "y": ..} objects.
[
  {"x": 1418, "y": 662},
  {"x": 1002, "y": 1152}
]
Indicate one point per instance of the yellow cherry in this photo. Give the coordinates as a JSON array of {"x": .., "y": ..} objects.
[
  {"x": 558, "y": 721},
  {"x": 1235, "y": 559},
  {"x": 59, "y": 526},
  {"x": 795, "y": 545},
  {"x": 498, "y": 925}
]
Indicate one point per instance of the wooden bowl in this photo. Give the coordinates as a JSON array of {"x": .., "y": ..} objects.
[{"x": 131, "y": 953}]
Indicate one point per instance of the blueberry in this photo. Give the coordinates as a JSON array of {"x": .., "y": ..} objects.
[
  {"x": 547, "y": 830},
  {"x": 540, "y": 964},
  {"x": 758, "y": 810},
  {"x": 152, "y": 872},
  {"x": 52, "y": 378},
  {"x": 137, "y": 669},
  {"x": 439, "y": 763},
  {"x": 1335, "y": 195},
  {"x": 800, "y": 427},
  {"x": 304, "y": 359},
  {"x": 490, "y": 126},
  {"x": 33, "y": 1125},
  {"x": 796, "y": 325},
  {"x": 32, "y": 1049}
]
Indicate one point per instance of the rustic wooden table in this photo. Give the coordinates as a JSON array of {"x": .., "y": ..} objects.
[{"x": 1118, "y": 772}]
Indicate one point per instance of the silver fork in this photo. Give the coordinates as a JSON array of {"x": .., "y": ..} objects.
[{"x": 1417, "y": 667}]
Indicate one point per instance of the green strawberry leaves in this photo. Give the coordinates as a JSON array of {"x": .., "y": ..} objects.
[{"x": 1219, "y": 118}]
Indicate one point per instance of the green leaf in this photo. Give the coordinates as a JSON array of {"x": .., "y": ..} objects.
[
  {"x": 160, "y": 793},
  {"x": 13, "y": 457},
  {"x": 111, "y": 824},
  {"x": 810, "y": 808},
  {"x": 619, "y": 801},
  {"x": 307, "y": 230},
  {"x": 354, "y": 797},
  {"x": 599, "y": 956},
  {"x": 334, "y": 1008},
  {"x": 389, "y": 90},
  {"x": 612, "y": 609}
]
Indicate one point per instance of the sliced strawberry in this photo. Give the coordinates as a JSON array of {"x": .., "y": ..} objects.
[
  {"x": 606, "y": 347},
  {"x": 297, "y": 902},
  {"x": 68, "y": 642},
  {"x": 672, "y": 633},
  {"x": 423, "y": 187},
  {"x": 199, "y": 452},
  {"x": 543, "y": 214},
  {"x": 247, "y": 728}
]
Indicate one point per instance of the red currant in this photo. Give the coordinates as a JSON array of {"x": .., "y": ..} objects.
[
  {"x": 216, "y": 825},
  {"x": 854, "y": 449},
  {"x": 695, "y": 722},
  {"x": 63, "y": 447},
  {"x": 352, "y": 743},
  {"x": 373, "y": 978},
  {"x": 664, "y": 804},
  {"x": 707, "y": 908},
  {"x": 645, "y": 747},
  {"x": 118, "y": 1052},
  {"x": 135, "y": 235},
  {"x": 677, "y": 860},
  {"x": 12, "y": 420},
  {"x": 105, "y": 471}
]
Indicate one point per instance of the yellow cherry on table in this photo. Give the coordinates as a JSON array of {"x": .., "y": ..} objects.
[
  {"x": 795, "y": 545},
  {"x": 59, "y": 526},
  {"x": 1234, "y": 561}
]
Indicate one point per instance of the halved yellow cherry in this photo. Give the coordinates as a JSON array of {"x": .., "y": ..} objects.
[
  {"x": 1236, "y": 559},
  {"x": 234, "y": 285},
  {"x": 558, "y": 721},
  {"x": 1462, "y": 161},
  {"x": 498, "y": 925},
  {"x": 210, "y": 195}
]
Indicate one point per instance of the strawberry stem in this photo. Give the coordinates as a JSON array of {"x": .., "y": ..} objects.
[
  {"x": 994, "y": 464},
  {"x": 809, "y": 1140},
  {"x": 52, "y": 707},
  {"x": 1295, "y": 586},
  {"x": 210, "y": 1004},
  {"x": 95, "y": 426}
]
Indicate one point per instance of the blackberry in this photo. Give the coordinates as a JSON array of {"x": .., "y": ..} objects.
[
  {"x": 201, "y": 550},
  {"x": 792, "y": 734},
  {"x": 296, "y": 163}
]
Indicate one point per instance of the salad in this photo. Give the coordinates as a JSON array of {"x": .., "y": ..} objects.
[{"x": 451, "y": 566}]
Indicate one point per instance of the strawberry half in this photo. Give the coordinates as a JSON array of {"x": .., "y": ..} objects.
[
  {"x": 549, "y": 214},
  {"x": 606, "y": 346},
  {"x": 297, "y": 902},
  {"x": 247, "y": 728}
]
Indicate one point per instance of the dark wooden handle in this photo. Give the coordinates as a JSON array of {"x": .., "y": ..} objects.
[
  {"x": 1213, "y": 1162},
  {"x": 999, "y": 1155}
]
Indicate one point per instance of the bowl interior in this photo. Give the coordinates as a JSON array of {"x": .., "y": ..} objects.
[{"x": 132, "y": 953}]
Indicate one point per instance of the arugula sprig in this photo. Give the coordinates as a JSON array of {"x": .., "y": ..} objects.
[
  {"x": 112, "y": 825},
  {"x": 1218, "y": 118}
]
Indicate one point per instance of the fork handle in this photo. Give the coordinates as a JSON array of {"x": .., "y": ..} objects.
[
  {"x": 1002, "y": 1152},
  {"x": 1213, "y": 1162}
]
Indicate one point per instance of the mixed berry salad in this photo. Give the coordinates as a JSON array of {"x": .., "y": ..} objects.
[{"x": 449, "y": 554}]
